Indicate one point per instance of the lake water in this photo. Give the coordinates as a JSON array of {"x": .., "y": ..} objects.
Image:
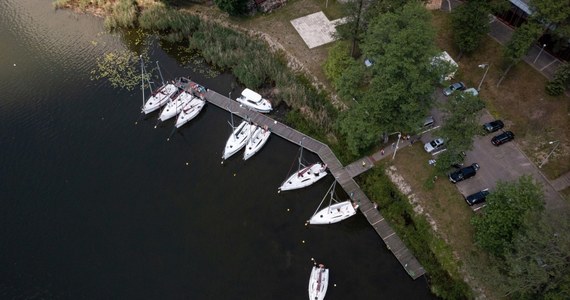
[{"x": 93, "y": 206}]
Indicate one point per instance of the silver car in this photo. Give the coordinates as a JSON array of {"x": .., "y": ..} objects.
[
  {"x": 433, "y": 145},
  {"x": 458, "y": 86}
]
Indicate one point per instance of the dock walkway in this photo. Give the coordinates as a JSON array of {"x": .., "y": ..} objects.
[{"x": 342, "y": 175}]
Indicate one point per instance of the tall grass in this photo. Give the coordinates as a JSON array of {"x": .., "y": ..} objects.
[
  {"x": 124, "y": 14},
  {"x": 434, "y": 254}
]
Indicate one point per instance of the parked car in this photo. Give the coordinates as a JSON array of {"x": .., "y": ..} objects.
[
  {"x": 502, "y": 138},
  {"x": 464, "y": 173},
  {"x": 428, "y": 122},
  {"x": 478, "y": 197},
  {"x": 458, "y": 86},
  {"x": 472, "y": 91},
  {"x": 433, "y": 145},
  {"x": 493, "y": 126}
]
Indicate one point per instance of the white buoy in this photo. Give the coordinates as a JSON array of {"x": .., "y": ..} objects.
[
  {"x": 14, "y": 65},
  {"x": 303, "y": 241},
  {"x": 187, "y": 163}
]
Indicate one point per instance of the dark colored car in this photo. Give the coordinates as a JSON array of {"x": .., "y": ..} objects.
[
  {"x": 478, "y": 197},
  {"x": 458, "y": 86},
  {"x": 464, "y": 173},
  {"x": 502, "y": 138},
  {"x": 493, "y": 126}
]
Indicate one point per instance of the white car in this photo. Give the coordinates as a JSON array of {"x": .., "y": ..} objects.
[{"x": 433, "y": 145}]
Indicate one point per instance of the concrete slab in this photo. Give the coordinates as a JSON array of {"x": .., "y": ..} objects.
[{"x": 315, "y": 29}]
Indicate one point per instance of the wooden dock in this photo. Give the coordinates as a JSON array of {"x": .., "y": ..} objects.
[{"x": 343, "y": 177}]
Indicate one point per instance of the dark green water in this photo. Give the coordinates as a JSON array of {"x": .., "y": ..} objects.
[{"x": 93, "y": 206}]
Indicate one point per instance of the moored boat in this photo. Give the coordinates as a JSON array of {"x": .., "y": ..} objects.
[
  {"x": 254, "y": 101},
  {"x": 258, "y": 138},
  {"x": 159, "y": 98},
  {"x": 334, "y": 212},
  {"x": 174, "y": 107},
  {"x": 237, "y": 139},
  {"x": 190, "y": 111},
  {"x": 318, "y": 282}
]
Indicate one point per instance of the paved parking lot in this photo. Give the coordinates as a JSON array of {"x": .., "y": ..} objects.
[{"x": 504, "y": 163}]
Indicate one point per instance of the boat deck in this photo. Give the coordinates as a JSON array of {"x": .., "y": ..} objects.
[{"x": 342, "y": 175}]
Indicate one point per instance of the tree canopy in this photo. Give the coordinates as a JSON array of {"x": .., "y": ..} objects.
[
  {"x": 459, "y": 127},
  {"x": 470, "y": 24},
  {"x": 232, "y": 7},
  {"x": 507, "y": 207},
  {"x": 401, "y": 44}
]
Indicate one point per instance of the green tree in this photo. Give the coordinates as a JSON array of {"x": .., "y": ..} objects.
[
  {"x": 560, "y": 82},
  {"x": 507, "y": 207},
  {"x": 459, "y": 127},
  {"x": 555, "y": 14},
  {"x": 337, "y": 61},
  {"x": 232, "y": 7},
  {"x": 538, "y": 265},
  {"x": 402, "y": 83},
  {"x": 523, "y": 38},
  {"x": 469, "y": 24}
]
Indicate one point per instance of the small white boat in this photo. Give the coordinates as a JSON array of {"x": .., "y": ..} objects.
[
  {"x": 318, "y": 283},
  {"x": 159, "y": 98},
  {"x": 190, "y": 111},
  {"x": 305, "y": 177},
  {"x": 237, "y": 139},
  {"x": 174, "y": 107},
  {"x": 258, "y": 138},
  {"x": 254, "y": 101},
  {"x": 333, "y": 213}
]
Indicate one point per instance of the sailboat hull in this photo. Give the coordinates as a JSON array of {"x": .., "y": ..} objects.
[
  {"x": 190, "y": 111},
  {"x": 159, "y": 98},
  {"x": 318, "y": 282},
  {"x": 305, "y": 177},
  {"x": 175, "y": 107},
  {"x": 256, "y": 142},
  {"x": 237, "y": 140},
  {"x": 335, "y": 213}
]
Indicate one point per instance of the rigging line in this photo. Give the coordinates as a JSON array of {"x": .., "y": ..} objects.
[
  {"x": 293, "y": 163},
  {"x": 330, "y": 190}
]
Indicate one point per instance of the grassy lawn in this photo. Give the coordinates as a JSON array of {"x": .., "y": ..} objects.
[{"x": 520, "y": 101}]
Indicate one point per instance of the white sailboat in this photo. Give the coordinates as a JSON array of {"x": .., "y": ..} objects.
[
  {"x": 237, "y": 139},
  {"x": 334, "y": 212},
  {"x": 160, "y": 96},
  {"x": 305, "y": 175},
  {"x": 258, "y": 138},
  {"x": 190, "y": 111},
  {"x": 254, "y": 101},
  {"x": 175, "y": 105},
  {"x": 318, "y": 282}
]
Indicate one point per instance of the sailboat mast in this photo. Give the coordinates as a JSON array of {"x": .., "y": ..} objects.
[
  {"x": 159, "y": 72},
  {"x": 142, "y": 79}
]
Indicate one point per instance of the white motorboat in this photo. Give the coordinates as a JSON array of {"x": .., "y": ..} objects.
[
  {"x": 237, "y": 139},
  {"x": 258, "y": 138},
  {"x": 254, "y": 101},
  {"x": 190, "y": 111},
  {"x": 318, "y": 283},
  {"x": 174, "y": 107},
  {"x": 159, "y": 98},
  {"x": 333, "y": 213}
]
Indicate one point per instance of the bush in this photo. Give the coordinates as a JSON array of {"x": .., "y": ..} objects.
[{"x": 561, "y": 81}]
